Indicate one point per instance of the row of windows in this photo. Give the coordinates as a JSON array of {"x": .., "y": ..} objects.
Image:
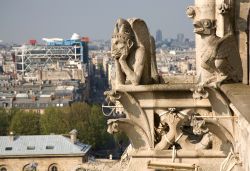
[
  {"x": 32, "y": 166},
  {"x": 28, "y": 167},
  {"x": 48, "y": 147},
  {"x": 35, "y": 105}
]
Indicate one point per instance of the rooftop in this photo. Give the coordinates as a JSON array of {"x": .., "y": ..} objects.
[{"x": 40, "y": 145}]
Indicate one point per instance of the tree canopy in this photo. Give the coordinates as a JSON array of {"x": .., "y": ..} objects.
[
  {"x": 87, "y": 119},
  {"x": 25, "y": 123},
  {"x": 4, "y": 122}
]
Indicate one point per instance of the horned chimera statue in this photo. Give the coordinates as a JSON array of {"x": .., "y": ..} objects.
[
  {"x": 215, "y": 56},
  {"x": 134, "y": 53},
  {"x": 218, "y": 55}
]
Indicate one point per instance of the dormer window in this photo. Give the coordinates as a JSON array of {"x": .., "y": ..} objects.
[
  {"x": 81, "y": 169},
  {"x": 30, "y": 147},
  {"x": 49, "y": 147},
  {"x": 8, "y": 148}
]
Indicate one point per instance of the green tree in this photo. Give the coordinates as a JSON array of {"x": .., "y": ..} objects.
[
  {"x": 25, "y": 123},
  {"x": 12, "y": 112},
  {"x": 87, "y": 120},
  {"x": 4, "y": 122},
  {"x": 99, "y": 128},
  {"x": 79, "y": 119},
  {"x": 54, "y": 120}
]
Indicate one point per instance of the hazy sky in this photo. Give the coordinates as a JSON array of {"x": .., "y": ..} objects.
[{"x": 21, "y": 20}]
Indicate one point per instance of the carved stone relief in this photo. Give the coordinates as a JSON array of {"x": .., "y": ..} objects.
[
  {"x": 169, "y": 123},
  {"x": 185, "y": 129}
]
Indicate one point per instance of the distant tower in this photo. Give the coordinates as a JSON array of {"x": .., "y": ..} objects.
[
  {"x": 180, "y": 37},
  {"x": 158, "y": 36}
]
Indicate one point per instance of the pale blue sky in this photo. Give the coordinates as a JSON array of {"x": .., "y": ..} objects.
[{"x": 21, "y": 20}]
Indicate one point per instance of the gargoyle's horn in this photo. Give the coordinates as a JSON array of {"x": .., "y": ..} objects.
[
  {"x": 116, "y": 30},
  {"x": 122, "y": 29}
]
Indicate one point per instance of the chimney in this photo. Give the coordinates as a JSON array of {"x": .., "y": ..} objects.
[
  {"x": 33, "y": 98},
  {"x": 73, "y": 136},
  {"x": 11, "y": 136}
]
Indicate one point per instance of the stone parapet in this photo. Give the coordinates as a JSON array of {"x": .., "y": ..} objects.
[{"x": 239, "y": 95}]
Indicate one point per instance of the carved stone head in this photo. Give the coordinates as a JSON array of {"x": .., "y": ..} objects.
[
  {"x": 204, "y": 26},
  {"x": 112, "y": 127},
  {"x": 122, "y": 38}
]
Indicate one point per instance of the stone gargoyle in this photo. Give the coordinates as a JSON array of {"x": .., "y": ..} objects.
[
  {"x": 133, "y": 49},
  {"x": 217, "y": 53}
]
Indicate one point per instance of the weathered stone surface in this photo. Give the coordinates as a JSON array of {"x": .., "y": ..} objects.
[
  {"x": 187, "y": 121},
  {"x": 241, "y": 26},
  {"x": 239, "y": 95}
]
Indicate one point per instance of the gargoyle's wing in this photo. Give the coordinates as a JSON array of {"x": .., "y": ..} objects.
[
  {"x": 143, "y": 43},
  {"x": 141, "y": 32},
  {"x": 224, "y": 45},
  {"x": 228, "y": 49},
  {"x": 154, "y": 70}
]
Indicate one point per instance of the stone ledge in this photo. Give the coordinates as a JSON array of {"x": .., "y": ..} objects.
[
  {"x": 239, "y": 95},
  {"x": 179, "y": 153},
  {"x": 156, "y": 87}
]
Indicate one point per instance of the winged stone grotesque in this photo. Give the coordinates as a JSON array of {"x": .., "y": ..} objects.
[{"x": 134, "y": 54}]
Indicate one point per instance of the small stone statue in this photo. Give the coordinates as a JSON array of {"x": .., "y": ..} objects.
[
  {"x": 132, "y": 50},
  {"x": 219, "y": 55},
  {"x": 216, "y": 53}
]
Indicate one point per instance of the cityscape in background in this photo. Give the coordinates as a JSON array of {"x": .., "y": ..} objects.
[
  {"x": 43, "y": 82},
  {"x": 58, "y": 72}
]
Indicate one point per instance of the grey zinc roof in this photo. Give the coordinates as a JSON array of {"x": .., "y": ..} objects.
[{"x": 36, "y": 145}]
